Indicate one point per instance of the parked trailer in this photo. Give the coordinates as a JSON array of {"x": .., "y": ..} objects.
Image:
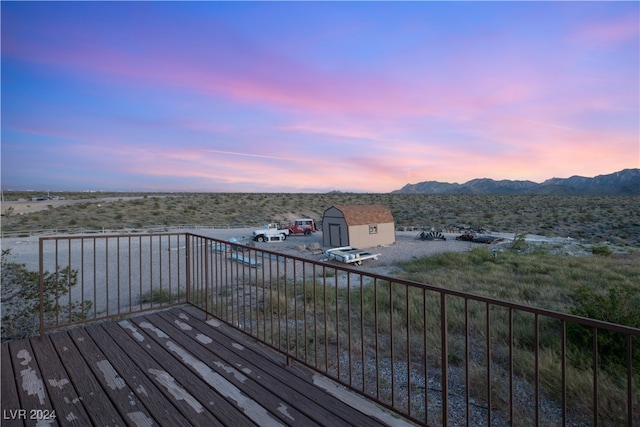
[{"x": 350, "y": 255}]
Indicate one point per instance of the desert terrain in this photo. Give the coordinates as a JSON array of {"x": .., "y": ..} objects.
[
  {"x": 613, "y": 220},
  {"x": 580, "y": 222}
]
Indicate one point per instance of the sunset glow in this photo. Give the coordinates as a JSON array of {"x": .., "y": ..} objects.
[{"x": 315, "y": 96}]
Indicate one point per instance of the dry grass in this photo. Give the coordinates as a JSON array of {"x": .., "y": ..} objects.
[
  {"x": 537, "y": 278},
  {"x": 594, "y": 218}
]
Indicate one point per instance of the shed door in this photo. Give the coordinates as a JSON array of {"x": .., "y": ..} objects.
[{"x": 335, "y": 235}]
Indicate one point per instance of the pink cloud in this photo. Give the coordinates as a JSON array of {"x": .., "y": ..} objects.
[
  {"x": 276, "y": 81},
  {"x": 338, "y": 130},
  {"x": 606, "y": 34},
  {"x": 263, "y": 82}
]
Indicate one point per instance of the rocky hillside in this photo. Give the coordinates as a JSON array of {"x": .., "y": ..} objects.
[{"x": 624, "y": 182}]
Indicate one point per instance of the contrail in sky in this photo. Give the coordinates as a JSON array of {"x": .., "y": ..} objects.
[
  {"x": 233, "y": 153},
  {"x": 549, "y": 124}
]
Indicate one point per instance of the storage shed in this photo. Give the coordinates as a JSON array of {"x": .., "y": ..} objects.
[{"x": 360, "y": 226}]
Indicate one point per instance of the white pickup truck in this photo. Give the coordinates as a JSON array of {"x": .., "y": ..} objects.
[{"x": 273, "y": 233}]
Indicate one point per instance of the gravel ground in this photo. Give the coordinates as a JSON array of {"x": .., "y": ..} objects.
[
  {"x": 405, "y": 248},
  {"x": 110, "y": 296},
  {"x": 25, "y": 249}
]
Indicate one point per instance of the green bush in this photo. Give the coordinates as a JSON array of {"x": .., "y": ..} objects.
[
  {"x": 519, "y": 242},
  {"x": 21, "y": 298},
  {"x": 161, "y": 296},
  {"x": 622, "y": 306},
  {"x": 603, "y": 250}
]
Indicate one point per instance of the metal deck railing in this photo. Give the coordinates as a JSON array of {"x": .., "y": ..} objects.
[{"x": 436, "y": 356}]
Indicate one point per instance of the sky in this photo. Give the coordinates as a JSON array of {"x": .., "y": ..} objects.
[{"x": 314, "y": 96}]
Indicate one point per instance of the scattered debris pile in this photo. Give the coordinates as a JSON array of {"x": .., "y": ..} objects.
[
  {"x": 461, "y": 228},
  {"x": 478, "y": 238},
  {"x": 409, "y": 227},
  {"x": 431, "y": 235}
]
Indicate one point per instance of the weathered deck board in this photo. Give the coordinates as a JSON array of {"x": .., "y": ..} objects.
[
  {"x": 58, "y": 385},
  {"x": 120, "y": 392},
  {"x": 295, "y": 398},
  {"x": 192, "y": 388},
  {"x": 168, "y": 368},
  {"x": 156, "y": 398},
  {"x": 254, "y": 393},
  {"x": 30, "y": 385},
  {"x": 9, "y": 391},
  {"x": 93, "y": 397},
  {"x": 297, "y": 389}
]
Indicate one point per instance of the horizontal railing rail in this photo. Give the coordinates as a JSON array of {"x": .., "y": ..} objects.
[
  {"x": 155, "y": 229},
  {"x": 436, "y": 356}
]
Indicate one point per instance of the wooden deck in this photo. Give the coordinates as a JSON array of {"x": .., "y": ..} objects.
[{"x": 169, "y": 368}]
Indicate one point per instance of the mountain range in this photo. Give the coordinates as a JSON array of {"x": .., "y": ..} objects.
[{"x": 624, "y": 182}]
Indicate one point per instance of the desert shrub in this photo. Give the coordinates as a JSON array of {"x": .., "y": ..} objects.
[
  {"x": 519, "y": 243},
  {"x": 480, "y": 256},
  {"x": 161, "y": 296},
  {"x": 622, "y": 306},
  {"x": 327, "y": 272},
  {"x": 21, "y": 298},
  {"x": 603, "y": 250}
]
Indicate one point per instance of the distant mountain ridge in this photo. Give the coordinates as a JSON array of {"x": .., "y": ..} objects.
[{"x": 624, "y": 182}]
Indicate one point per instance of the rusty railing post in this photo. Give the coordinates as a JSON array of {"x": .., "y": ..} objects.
[
  {"x": 187, "y": 263},
  {"x": 41, "y": 285},
  {"x": 445, "y": 359}
]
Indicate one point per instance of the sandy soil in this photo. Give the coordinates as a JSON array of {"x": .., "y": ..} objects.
[{"x": 28, "y": 206}]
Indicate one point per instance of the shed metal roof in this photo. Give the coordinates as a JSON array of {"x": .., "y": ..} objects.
[{"x": 365, "y": 214}]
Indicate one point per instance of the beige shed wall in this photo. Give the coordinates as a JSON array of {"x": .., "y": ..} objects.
[{"x": 360, "y": 238}]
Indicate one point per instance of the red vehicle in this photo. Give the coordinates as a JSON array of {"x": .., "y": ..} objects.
[{"x": 304, "y": 226}]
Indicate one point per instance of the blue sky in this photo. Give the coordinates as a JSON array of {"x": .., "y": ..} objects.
[{"x": 363, "y": 96}]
